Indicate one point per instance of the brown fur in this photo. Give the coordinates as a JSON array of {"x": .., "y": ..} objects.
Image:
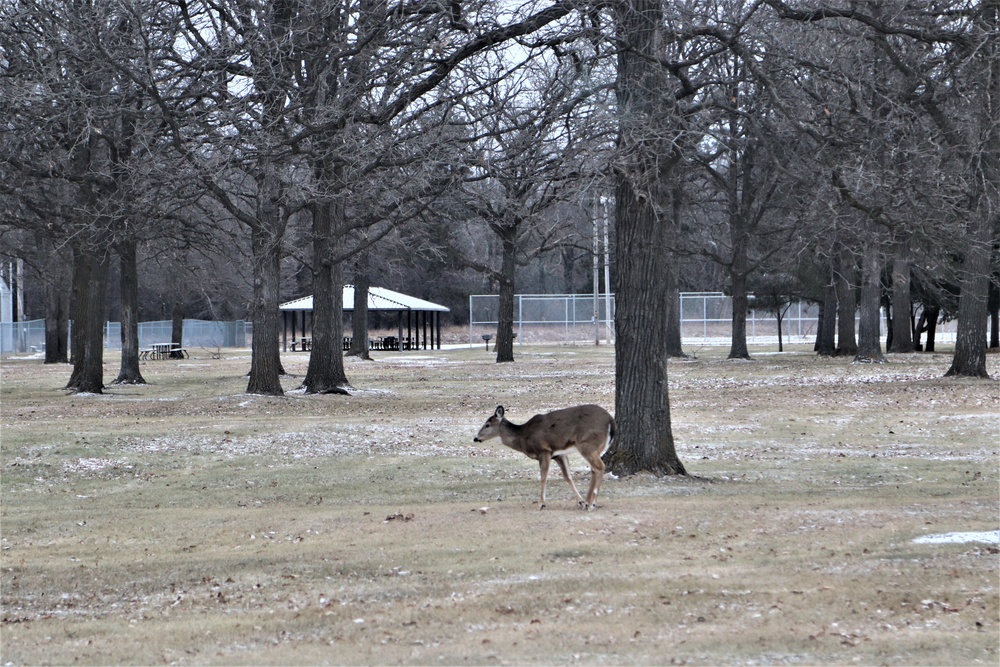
[{"x": 589, "y": 429}]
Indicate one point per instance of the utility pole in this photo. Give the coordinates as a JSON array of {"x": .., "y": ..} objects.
[{"x": 606, "y": 206}]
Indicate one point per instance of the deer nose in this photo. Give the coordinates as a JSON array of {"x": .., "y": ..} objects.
[{"x": 476, "y": 440}]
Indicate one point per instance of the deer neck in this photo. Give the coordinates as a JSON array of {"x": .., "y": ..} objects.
[{"x": 511, "y": 435}]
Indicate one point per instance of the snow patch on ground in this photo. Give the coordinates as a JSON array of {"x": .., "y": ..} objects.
[{"x": 988, "y": 536}]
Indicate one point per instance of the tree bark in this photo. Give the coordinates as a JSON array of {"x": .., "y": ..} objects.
[
  {"x": 82, "y": 268},
  {"x": 504, "y": 346},
  {"x": 326, "y": 374},
  {"x": 673, "y": 333},
  {"x": 902, "y": 326},
  {"x": 359, "y": 317},
  {"x": 646, "y": 157},
  {"x": 265, "y": 361},
  {"x": 129, "y": 372},
  {"x": 177, "y": 327},
  {"x": 56, "y": 296},
  {"x": 738, "y": 345},
  {"x": 88, "y": 360},
  {"x": 984, "y": 218},
  {"x": 970, "y": 340},
  {"x": 869, "y": 343},
  {"x": 826, "y": 345},
  {"x": 847, "y": 307},
  {"x": 826, "y": 332}
]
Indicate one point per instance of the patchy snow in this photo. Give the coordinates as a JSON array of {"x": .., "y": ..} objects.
[
  {"x": 93, "y": 465},
  {"x": 988, "y": 536},
  {"x": 346, "y": 440}
]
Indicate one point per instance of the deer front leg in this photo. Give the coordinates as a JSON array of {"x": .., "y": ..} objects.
[
  {"x": 543, "y": 463},
  {"x": 561, "y": 460}
]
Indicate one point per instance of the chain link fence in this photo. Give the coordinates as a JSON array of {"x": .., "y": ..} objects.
[
  {"x": 706, "y": 319},
  {"x": 29, "y": 337}
]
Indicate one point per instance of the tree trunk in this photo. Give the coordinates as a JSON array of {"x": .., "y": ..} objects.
[
  {"x": 779, "y": 316},
  {"x": 984, "y": 219},
  {"x": 129, "y": 372},
  {"x": 56, "y": 298},
  {"x": 738, "y": 346},
  {"x": 359, "y": 318},
  {"x": 646, "y": 157},
  {"x": 265, "y": 361},
  {"x": 826, "y": 345},
  {"x": 869, "y": 343},
  {"x": 902, "y": 340},
  {"x": 177, "y": 327},
  {"x": 970, "y": 340},
  {"x": 673, "y": 333},
  {"x": 847, "y": 306},
  {"x": 926, "y": 324},
  {"x": 83, "y": 265},
  {"x": 88, "y": 359},
  {"x": 504, "y": 346},
  {"x": 326, "y": 374}
]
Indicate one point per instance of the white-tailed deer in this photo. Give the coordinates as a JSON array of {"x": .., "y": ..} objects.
[{"x": 589, "y": 429}]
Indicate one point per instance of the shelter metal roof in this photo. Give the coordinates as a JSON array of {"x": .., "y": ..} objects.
[{"x": 379, "y": 298}]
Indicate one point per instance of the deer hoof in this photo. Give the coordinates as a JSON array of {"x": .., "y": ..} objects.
[{"x": 541, "y": 506}]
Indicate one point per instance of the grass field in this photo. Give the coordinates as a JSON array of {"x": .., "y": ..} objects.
[{"x": 184, "y": 522}]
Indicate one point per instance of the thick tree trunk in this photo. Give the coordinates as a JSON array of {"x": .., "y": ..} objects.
[
  {"x": 926, "y": 324},
  {"x": 973, "y": 311},
  {"x": 738, "y": 346},
  {"x": 83, "y": 265},
  {"x": 359, "y": 317},
  {"x": 504, "y": 346},
  {"x": 902, "y": 339},
  {"x": 88, "y": 373},
  {"x": 646, "y": 156},
  {"x": 326, "y": 374},
  {"x": 970, "y": 340},
  {"x": 177, "y": 327},
  {"x": 56, "y": 320},
  {"x": 869, "y": 343},
  {"x": 984, "y": 216},
  {"x": 847, "y": 306},
  {"x": 265, "y": 361},
  {"x": 129, "y": 372},
  {"x": 826, "y": 344}
]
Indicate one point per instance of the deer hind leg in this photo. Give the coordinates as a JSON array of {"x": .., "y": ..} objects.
[
  {"x": 561, "y": 460},
  {"x": 543, "y": 464},
  {"x": 596, "y": 477}
]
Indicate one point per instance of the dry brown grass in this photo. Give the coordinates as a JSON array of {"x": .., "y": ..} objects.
[{"x": 185, "y": 522}]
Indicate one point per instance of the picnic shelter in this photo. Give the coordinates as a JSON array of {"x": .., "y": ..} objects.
[{"x": 418, "y": 322}]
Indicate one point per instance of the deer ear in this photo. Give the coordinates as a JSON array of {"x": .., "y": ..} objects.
[{"x": 499, "y": 412}]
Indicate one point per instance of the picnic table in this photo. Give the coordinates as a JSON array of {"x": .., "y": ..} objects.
[{"x": 164, "y": 351}]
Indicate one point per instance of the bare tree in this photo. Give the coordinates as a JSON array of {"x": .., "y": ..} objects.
[{"x": 931, "y": 63}]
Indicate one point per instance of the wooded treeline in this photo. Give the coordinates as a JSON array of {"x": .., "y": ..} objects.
[{"x": 219, "y": 157}]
